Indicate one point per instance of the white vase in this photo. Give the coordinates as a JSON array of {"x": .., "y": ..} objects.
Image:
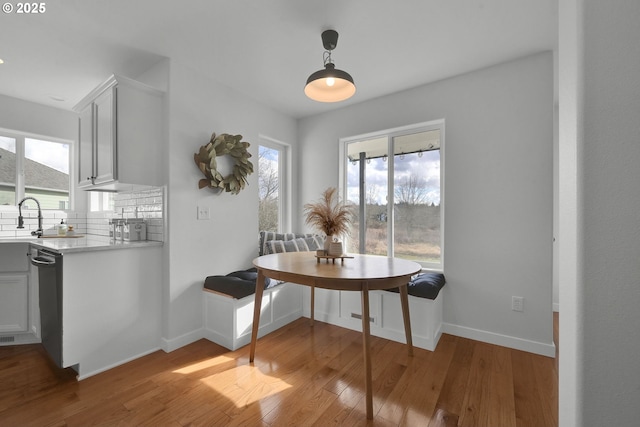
[{"x": 327, "y": 243}]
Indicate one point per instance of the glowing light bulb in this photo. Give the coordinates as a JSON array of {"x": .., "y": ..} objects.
[{"x": 330, "y": 81}]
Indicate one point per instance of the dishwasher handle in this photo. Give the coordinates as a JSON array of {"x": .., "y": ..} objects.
[{"x": 43, "y": 261}]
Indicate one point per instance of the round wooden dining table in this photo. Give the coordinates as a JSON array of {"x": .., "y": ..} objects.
[{"x": 361, "y": 273}]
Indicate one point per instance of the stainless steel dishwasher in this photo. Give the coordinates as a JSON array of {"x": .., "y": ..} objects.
[{"x": 49, "y": 265}]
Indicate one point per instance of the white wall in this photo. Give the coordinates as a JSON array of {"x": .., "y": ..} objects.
[
  {"x": 198, "y": 106},
  {"x": 498, "y": 196},
  {"x": 599, "y": 380},
  {"x": 29, "y": 117}
]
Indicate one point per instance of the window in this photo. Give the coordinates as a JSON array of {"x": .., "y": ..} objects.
[
  {"x": 34, "y": 167},
  {"x": 394, "y": 179},
  {"x": 100, "y": 201},
  {"x": 272, "y": 185}
]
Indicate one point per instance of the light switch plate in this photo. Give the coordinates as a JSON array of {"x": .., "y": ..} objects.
[
  {"x": 203, "y": 212},
  {"x": 517, "y": 303}
]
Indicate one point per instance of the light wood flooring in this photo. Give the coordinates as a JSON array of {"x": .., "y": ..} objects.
[{"x": 302, "y": 377}]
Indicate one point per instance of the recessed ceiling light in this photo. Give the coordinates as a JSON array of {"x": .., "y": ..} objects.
[
  {"x": 57, "y": 98},
  {"x": 1, "y": 61}
]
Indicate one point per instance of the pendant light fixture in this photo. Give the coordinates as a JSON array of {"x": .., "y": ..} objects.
[{"x": 330, "y": 84}]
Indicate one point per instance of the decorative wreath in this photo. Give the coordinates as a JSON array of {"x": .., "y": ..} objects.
[{"x": 218, "y": 146}]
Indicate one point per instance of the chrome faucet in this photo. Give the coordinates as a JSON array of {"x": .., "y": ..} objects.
[{"x": 38, "y": 232}]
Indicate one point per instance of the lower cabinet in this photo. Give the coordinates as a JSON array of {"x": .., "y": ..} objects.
[
  {"x": 15, "y": 295},
  {"x": 14, "y": 303}
]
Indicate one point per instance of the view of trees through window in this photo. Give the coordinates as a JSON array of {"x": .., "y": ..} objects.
[
  {"x": 36, "y": 168},
  {"x": 268, "y": 188},
  {"x": 398, "y": 210}
]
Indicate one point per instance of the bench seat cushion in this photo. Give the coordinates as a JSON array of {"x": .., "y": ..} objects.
[
  {"x": 238, "y": 284},
  {"x": 425, "y": 285}
]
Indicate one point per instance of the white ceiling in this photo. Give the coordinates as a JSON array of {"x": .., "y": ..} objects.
[{"x": 265, "y": 48}]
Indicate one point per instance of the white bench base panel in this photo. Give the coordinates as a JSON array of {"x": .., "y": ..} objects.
[
  {"x": 228, "y": 321},
  {"x": 344, "y": 308}
]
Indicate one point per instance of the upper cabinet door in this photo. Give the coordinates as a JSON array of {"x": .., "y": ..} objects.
[
  {"x": 121, "y": 136},
  {"x": 105, "y": 130},
  {"x": 86, "y": 166}
]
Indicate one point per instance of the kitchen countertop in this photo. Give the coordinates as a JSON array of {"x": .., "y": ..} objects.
[{"x": 87, "y": 243}]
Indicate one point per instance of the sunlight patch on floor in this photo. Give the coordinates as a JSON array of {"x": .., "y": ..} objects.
[
  {"x": 244, "y": 385},
  {"x": 209, "y": 363}
]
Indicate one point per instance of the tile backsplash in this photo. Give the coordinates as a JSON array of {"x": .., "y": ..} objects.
[
  {"x": 147, "y": 204},
  {"x": 50, "y": 219}
]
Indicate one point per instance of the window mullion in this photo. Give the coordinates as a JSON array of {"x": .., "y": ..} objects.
[
  {"x": 20, "y": 180},
  {"x": 390, "y": 196},
  {"x": 362, "y": 213},
  {"x": 282, "y": 191}
]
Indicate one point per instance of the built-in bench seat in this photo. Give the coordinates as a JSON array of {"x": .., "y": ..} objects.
[
  {"x": 344, "y": 308},
  {"x": 228, "y": 308},
  {"x": 228, "y": 303}
]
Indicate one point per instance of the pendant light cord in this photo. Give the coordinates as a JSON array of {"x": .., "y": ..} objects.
[{"x": 326, "y": 57}]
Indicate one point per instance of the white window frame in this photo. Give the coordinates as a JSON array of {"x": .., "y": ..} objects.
[
  {"x": 390, "y": 134},
  {"x": 20, "y": 138},
  {"x": 104, "y": 199},
  {"x": 284, "y": 180}
]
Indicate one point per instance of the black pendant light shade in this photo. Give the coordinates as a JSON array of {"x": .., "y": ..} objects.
[{"x": 330, "y": 84}]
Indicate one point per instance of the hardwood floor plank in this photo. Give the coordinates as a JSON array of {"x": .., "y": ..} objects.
[
  {"x": 423, "y": 397},
  {"x": 453, "y": 391},
  {"x": 547, "y": 387},
  {"x": 474, "y": 410},
  {"x": 301, "y": 376},
  {"x": 340, "y": 409},
  {"x": 500, "y": 402},
  {"x": 442, "y": 418},
  {"x": 106, "y": 413},
  {"x": 528, "y": 408},
  {"x": 394, "y": 407}
]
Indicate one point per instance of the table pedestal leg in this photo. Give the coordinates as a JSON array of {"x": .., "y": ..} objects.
[
  {"x": 366, "y": 343},
  {"x": 313, "y": 304},
  {"x": 404, "y": 301},
  {"x": 256, "y": 314}
]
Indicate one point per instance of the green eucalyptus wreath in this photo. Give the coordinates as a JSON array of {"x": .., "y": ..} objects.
[{"x": 219, "y": 146}]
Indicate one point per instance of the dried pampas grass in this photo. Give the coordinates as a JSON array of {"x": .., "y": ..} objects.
[{"x": 329, "y": 214}]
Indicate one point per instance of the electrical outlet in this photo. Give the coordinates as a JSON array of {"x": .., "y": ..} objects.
[
  {"x": 203, "y": 212},
  {"x": 517, "y": 303}
]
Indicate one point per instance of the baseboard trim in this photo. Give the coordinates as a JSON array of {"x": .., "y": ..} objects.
[
  {"x": 556, "y": 307},
  {"x": 501, "y": 340},
  {"x": 85, "y": 375},
  {"x": 168, "y": 345}
]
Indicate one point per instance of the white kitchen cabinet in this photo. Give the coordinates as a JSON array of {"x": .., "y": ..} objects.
[
  {"x": 85, "y": 146},
  {"x": 14, "y": 288},
  {"x": 14, "y": 303},
  {"x": 120, "y": 136}
]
